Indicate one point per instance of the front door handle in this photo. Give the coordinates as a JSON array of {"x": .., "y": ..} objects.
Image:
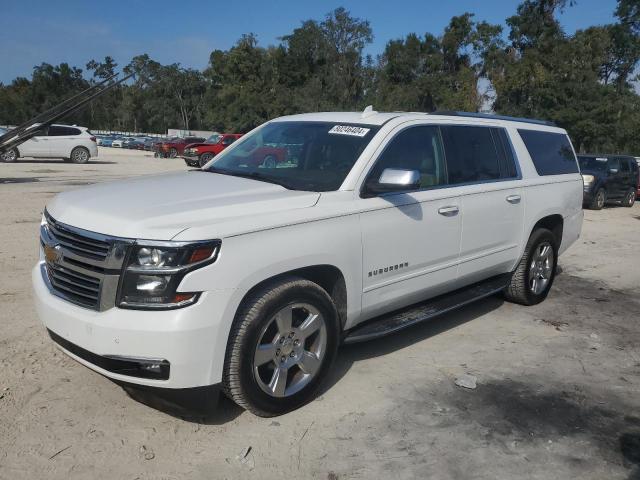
[
  {"x": 513, "y": 199},
  {"x": 449, "y": 211}
]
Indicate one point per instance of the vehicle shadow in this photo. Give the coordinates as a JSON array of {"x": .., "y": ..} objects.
[
  {"x": 47, "y": 161},
  {"x": 350, "y": 354},
  {"x": 203, "y": 405}
]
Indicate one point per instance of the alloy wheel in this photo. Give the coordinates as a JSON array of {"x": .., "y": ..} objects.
[
  {"x": 290, "y": 350},
  {"x": 80, "y": 155},
  {"x": 541, "y": 268}
]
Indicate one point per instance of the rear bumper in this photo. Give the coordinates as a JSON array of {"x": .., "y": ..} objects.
[{"x": 571, "y": 230}]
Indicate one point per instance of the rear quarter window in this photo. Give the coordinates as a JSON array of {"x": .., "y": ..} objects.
[{"x": 551, "y": 152}]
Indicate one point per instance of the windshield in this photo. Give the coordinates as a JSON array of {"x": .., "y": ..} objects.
[
  {"x": 215, "y": 138},
  {"x": 310, "y": 156},
  {"x": 592, "y": 163}
]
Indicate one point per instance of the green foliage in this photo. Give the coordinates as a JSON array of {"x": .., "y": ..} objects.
[{"x": 586, "y": 82}]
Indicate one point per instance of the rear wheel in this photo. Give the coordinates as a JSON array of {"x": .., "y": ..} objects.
[
  {"x": 629, "y": 199},
  {"x": 173, "y": 153},
  {"x": 598, "y": 200},
  {"x": 80, "y": 155},
  {"x": 281, "y": 347},
  {"x": 10, "y": 156},
  {"x": 205, "y": 158},
  {"x": 532, "y": 280}
]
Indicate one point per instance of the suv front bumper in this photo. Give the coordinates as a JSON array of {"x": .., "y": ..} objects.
[{"x": 115, "y": 342}]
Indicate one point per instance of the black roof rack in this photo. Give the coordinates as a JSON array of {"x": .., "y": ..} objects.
[{"x": 454, "y": 113}]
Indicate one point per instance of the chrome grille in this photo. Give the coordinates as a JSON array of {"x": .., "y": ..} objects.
[
  {"x": 79, "y": 244},
  {"x": 81, "y": 267},
  {"x": 81, "y": 289}
]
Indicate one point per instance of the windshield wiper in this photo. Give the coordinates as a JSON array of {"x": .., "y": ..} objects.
[{"x": 250, "y": 175}]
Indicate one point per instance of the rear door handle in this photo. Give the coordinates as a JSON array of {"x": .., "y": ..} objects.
[
  {"x": 449, "y": 211},
  {"x": 513, "y": 199}
]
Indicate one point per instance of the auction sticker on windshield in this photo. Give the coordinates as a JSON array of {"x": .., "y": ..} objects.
[{"x": 349, "y": 130}]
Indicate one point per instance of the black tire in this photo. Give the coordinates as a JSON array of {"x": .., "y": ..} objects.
[
  {"x": 11, "y": 156},
  {"x": 173, "y": 153},
  {"x": 204, "y": 159},
  {"x": 254, "y": 315},
  {"x": 629, "y": 199},
  {"x": 519, "y": 289},
  {"x": 599, "y": 200},
  {"x": 80, "y": 155}
]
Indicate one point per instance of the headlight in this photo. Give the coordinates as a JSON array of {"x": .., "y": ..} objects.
[
  {"x": 155, "y": 269},
  {"x": 587, "y": 179},
  {"x": 195, "y": 150}
]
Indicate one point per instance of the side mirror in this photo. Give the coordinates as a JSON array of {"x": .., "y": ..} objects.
[{"x": 395, "y": 180}]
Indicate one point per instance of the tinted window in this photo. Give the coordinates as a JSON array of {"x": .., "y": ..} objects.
[
  {"x": 228, "y": 140},
  {"x": 505, "y": 154},
  {"x": 61, "y": 131},
  {"x": 624, "y": 165},
  {"x": 614, "y": 164},
  {"x": 593, "y": 163},
  {"x": 471, "y": 154},
  {"x": 551, "y": 152},
  {"x": 416, "y": 148}
]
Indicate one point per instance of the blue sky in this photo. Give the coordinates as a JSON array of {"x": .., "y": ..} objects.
[{"x": 186, "y": 31}]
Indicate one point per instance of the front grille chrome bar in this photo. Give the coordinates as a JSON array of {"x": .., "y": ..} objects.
[{"x": 80, "y": 266}]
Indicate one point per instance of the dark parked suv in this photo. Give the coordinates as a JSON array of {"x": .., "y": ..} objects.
[{"x": 608, "y": 178}]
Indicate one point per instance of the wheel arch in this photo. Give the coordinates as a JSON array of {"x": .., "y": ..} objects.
[
  {"x": 554, "y": 223},
  {"x": 329, "y": 277}
]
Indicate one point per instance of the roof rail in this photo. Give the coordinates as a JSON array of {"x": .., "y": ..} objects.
[{"x": 489, "y": 116}]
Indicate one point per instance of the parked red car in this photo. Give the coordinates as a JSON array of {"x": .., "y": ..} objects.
[
  {"x": 196, "y": 155},
  {"x": 175, "y": 146}
]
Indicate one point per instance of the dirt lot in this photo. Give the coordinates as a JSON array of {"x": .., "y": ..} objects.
[{"x": 557, "y": 395}]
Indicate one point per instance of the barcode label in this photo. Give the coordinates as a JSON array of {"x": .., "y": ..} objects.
[{"x": 349, "y": 130}]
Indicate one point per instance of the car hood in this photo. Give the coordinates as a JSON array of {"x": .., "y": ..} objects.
[{"x": 159, "y": 207}]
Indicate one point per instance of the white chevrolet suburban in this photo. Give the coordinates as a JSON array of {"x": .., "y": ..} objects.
[{"x": 249, "y": 274}]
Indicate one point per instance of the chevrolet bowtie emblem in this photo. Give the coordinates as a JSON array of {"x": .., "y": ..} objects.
[{"x": 52, "y": 254}]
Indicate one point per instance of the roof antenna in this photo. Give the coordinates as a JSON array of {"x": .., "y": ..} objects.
[{"x": 368, "y": 112}]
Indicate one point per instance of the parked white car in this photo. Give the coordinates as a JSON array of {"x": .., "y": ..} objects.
[
  {"x": 117, "y": 143},
  {"x": 71, "y": 143},
  {"x": 248, "y": 274}
]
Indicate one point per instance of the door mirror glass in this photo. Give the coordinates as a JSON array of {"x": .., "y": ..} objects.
[{"x": 395, "y": 180}]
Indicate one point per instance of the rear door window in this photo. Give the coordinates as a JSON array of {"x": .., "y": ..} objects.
[
  {"x": 471, "y": 154},
  {"x": 506, "y": 157},
  {"x": 551, "y": 152}
]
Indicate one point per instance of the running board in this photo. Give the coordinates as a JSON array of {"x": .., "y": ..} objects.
[{"x": 398, "y": 320}]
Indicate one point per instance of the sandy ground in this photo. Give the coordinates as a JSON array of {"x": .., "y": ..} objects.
[{"x": 557, "y": 395}]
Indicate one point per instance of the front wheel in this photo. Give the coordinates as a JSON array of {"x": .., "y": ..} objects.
[
  {"x": 532, "y": 279},
  {"x": 598, "y": 200},
  {"x": 204, "y": 159},
  {"x": 80, "y": 155},
  {"x": 629, "y": 198},
  {"x": 281, "y": 347}
]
